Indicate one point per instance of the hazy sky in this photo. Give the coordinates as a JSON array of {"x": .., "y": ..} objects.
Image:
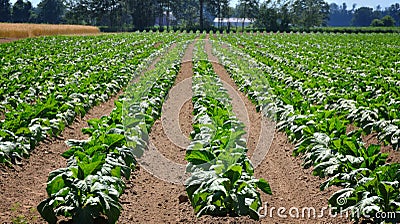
[
  {"x": 349, "y": 3},
  {"x": 367, "y": 3},
  {"x": 360, "y": 3}
]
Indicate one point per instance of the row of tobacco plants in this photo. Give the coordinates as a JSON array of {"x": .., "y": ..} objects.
[
  {"x": 45, "y": 83},
  {"x": 221, "y": 180},
  {"x": 309, "y": 102},
  {"x": 88, "y": 189}
]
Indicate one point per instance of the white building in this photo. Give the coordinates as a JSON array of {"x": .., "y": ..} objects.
[
  {"x": 233, "y": 22},
  {"x": 165, "y": 20}
]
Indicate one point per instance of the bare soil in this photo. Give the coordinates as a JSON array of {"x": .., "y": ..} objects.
[{"x": 7, "y": 39}]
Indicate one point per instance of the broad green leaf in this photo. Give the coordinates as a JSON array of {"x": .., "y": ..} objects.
[{"x": 264, "y": 186}]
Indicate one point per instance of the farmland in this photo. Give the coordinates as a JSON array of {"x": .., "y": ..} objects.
[
  {"x": 288, "y": 120},
  {"x": 24, "y": 30}
]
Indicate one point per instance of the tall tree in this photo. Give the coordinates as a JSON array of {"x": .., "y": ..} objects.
[
  {"x": 221, "y": 10},
  {"x": 339, "y": 15},
  {"x": 77, "y": 13},
  {"x": 363, "y": 16},
  {"x": 143, "y": 13},
  {"x": 249, "y": 10},
  {"x": 285, "y": 18},
  {"x": 21, "y": 11},
  {"x": 186, "y": 12},
  {"x": 394, "y": 12},
  {"x": 207, "y": 9},
  {"x": 201, "y": 11},
  {"x": 51, "y": 11},
  {"x": 388, "y": 21},
  {"x": 164, "y": 11},
  {"x": 309, "y": 13},
  {"x": 267, "y": 17},
  {"x": 5, "y": 11}
]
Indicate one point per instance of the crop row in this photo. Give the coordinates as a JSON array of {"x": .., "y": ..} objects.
[
  {"x": 221, "y": 180},
  {"x": 90, "y": 186},
  {"x": 344, "y": 76},
  {"x": 319, "y": 133},
  {"x": 43, "y": 92}
]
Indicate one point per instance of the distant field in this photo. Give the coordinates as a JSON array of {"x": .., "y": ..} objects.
[{"x": 24, "y": 30}]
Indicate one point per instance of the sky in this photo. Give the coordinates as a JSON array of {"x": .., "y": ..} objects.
[
  {"x": 349, "y": 3},
  {"x": 360, "y": 3}
]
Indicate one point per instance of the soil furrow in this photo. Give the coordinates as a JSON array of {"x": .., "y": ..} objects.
[{"x": 148, "y": 198}]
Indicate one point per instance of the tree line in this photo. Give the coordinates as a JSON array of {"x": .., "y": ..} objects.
[
  {"x": 341, "y": 15},
  {"x": 123, "y": 15}
]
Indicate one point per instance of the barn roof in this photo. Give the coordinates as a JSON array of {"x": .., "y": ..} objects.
[{"x": 233, "y": 20}]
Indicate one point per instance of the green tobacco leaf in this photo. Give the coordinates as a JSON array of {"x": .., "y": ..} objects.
[
  {"x": 89, "y": 168},
  {"x": 55, "y": 185},
  {"x": 110, "y": 206},
  {"x": 199, "y": 156},
  {"x": 86, "y": 215},
  {"x": 71, "y": 151},
  {"x": 46, "y": 211},
  {"x": 114, "y": 140},
  {"x": 339, "y": 199},
  {"x": 116, "y": 172},
  {"x": 373, "y": 150},
  {"x": 23, "y": 131},
  {"x": 233, "y": 174},
  {"x": 264, "y": 186}
]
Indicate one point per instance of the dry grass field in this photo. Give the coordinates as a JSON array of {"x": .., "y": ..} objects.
[{"x": 24, "y": 30}]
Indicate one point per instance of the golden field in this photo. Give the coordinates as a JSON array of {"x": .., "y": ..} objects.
[{"x": 24, "y": 30}]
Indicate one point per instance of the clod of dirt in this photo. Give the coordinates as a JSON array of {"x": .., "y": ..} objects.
[{"x": 183, "y": 198}]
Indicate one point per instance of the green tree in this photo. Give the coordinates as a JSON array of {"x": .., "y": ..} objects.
[
  {"x": 186, "y": 13},
  {"x": 363, "y": 16},
  {"x": 394, "y": 12},
  {"x": 77, "y": 13},
  {"x": 207, "y": 7},
  {"x": 377, "y": 22},
  {"x": 388, "y": 21},
  {"x": 248, "y": 9},
  {"x": 51, "y": 11},
  {"x": 222, "y": 10},
  {"x": 143, "y": 13},
  {"x": 5, "y": 11},
  {"x": 21, "y": 11},
  {"x": 309, "y": 13},
  {"x": 267, "y": 17},
  {"x": 285, "y": 17},
  {"x": 339, "y": 15}
]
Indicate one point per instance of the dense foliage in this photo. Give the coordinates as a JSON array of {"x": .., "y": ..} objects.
[
  {"x": 270, "y": 15},
  {"x": 41, "y": 93}
]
